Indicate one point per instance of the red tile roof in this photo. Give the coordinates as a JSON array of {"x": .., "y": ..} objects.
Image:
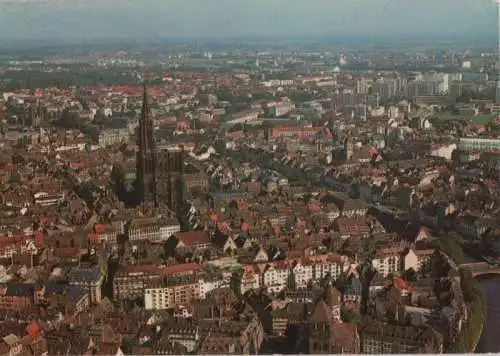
[
  {"x": 68, "y": 251},
  {"x": 6, "y": 241},
  {"x": 401, "y": 284},
  {"x": 184, "y": 268},
  {"x": 139, "y": 269},
  {"x": 244, "y": 226},
  {"x": 77, "y": 165},
  {"x": 99, "y": 228},
  {"x": 33, "y": 330}
]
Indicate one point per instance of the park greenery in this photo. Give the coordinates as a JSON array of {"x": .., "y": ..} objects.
[{"x": 449, "y": 244}]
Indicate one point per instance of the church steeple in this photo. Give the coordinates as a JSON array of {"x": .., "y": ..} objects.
[
  {"x": 146, "y": 155},
  {"x": 146, "y": 141}
]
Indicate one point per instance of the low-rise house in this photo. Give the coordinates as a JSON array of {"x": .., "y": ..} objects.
[
  {"x": 224, "y": 242},
  {"x": 416, "y": 258},
  {"x": 255, "y": 254},
  {"x": 195, "y": 240}
]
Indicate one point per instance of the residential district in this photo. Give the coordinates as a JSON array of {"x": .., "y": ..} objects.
[{"x": 273, "y": 203}]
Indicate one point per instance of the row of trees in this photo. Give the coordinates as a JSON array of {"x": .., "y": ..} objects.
[{"x": 32, "y": 79}]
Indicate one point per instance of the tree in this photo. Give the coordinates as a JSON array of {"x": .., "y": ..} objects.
[
  {"x": 450, "y": 247},
  {"x": 302, "y": 97},
  {"x": 366, "y": 273},
  {"x": 348, "y": 315},
  {"x": 410, "y": 275},
  {"x": 425, "y": 268},
  {"x": 15, "y": 178},
  {"x": 100, "y": 119},
  {"x": 341, "y": 282},
  {"x": 326, "y": 280},
  {"x": 439, "y": 265},
  {"x": 468, "y": 284}
]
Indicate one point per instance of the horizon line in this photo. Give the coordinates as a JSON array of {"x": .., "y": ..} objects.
[{"x": 187, "y": 39}]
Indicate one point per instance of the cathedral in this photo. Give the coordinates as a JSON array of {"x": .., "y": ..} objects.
[{"x": 160, "y": 180}]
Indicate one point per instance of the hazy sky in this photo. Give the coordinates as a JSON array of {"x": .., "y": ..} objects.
[{"x": 75, "y": 19}]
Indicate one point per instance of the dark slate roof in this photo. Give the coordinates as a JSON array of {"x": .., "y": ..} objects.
[
  {"x": 84, "y": 274},
  {"x": 20, "y": 290},
  {"x": 228, "y": 195},
  {"x": 75, "y": 293},
  {"x": 53, "y": 288}
]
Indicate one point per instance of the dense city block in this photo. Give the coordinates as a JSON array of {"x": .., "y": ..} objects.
[{"x": 235, "y": 200}]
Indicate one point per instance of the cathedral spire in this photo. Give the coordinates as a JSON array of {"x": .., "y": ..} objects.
[
  {"x": 145, "y": 124},
  {"x": 146, "y": 157},
  {"x": 145, "y": 101}
]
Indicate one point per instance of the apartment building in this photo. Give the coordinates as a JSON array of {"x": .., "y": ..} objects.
[
  {"x": 295, "y": 131},
  {"x": 113, "y": 136},
  {"x": 275, "y": 276},
  {"x": 153, "y": 229},
  {"x": 104, "y": 233},
  {"x": 328, "y": 264},
  {"x": 48, "y": 199},
  {"x": 172, "y": 292},
  {"x": 16, "y": 296},
  {"x": 208, "y": 283},
  {"x": 16, "y": 244},
  {"x": 131, "y": 281},
  {"x": 387, "y": 261},
  {"x": 479, "y": 144},
  {"x": 248, "y": 278}
]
